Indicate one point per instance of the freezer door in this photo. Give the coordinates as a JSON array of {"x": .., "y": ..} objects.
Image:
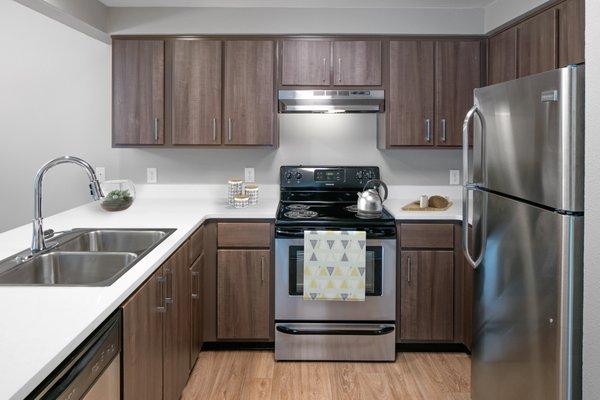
[
  {"x": 532, "y": 143},
  {"x": 527, "y": 316}
]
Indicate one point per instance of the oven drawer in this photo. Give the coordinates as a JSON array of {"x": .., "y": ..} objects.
[
  {"x": 335, "y": 342},
  {"x": 244, "y": 234}
]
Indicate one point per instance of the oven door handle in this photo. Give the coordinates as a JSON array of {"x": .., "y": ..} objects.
[{"x": 384, "y": 330}]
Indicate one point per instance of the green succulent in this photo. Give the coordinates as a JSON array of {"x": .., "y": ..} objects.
[{"x": 116, "y": 195}]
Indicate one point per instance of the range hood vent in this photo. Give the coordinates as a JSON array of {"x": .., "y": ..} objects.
[{"x": 331, "y": 101}]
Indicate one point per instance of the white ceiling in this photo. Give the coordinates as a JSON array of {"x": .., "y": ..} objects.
[{"x": 303, "y": 3}]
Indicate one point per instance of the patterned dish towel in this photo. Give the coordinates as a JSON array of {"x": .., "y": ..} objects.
[{"x": 334, "y": 265}]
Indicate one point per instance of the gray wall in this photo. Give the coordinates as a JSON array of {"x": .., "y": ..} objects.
[
  {"x": 591, "y": 302},
  {"x": 55, "y": 100},
  {"x": 304, "y": 139}
]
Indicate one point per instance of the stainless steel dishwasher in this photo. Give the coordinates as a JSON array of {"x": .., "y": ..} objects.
[{"x": 92, "y": 371}]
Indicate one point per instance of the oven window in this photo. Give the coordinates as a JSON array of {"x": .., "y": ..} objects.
[{"x": 374, "y": 270}]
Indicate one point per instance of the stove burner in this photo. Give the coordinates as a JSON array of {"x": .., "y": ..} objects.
[
  {"x": 302, "y": 213},
  {"x": 298, "y": 207},
  {"x": 353, "y": 208}
]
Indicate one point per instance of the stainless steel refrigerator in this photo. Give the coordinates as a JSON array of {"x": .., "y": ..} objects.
[{"x": 524, "y": 197}]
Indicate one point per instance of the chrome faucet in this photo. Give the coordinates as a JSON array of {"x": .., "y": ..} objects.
[{"x": 38, "y": 242}]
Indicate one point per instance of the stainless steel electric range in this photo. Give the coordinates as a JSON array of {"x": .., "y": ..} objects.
[{"x": 323, "y": 198}]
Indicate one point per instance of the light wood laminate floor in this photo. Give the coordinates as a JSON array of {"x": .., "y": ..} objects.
[{"x": 254, "y": 374}]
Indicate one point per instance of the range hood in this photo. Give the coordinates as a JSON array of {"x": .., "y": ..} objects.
[{"x": 331, "y": 101}]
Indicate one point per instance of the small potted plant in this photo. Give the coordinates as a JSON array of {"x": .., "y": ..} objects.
[{"x": 119, "y": 195}]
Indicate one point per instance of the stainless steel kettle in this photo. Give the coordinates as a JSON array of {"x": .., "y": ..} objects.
[{"x": 370, "y": 200}]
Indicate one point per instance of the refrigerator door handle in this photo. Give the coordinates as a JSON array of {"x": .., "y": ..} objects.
[{"x": 468, "y": 186}]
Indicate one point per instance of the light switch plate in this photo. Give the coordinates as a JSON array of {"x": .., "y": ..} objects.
[
  {"x": 454, "y": 177},
  {"x": 151, "y": 175},
  {"x": 249, "y": 174},
  {"x": 101, "y": 174}
]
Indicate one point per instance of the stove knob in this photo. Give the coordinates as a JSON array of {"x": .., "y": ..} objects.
[
  {"x": 298, "y": 175},
  {"x": 288, "y": 176},
  {"x": 370, "y": 175},
  {"x": 359, "y": 175}
]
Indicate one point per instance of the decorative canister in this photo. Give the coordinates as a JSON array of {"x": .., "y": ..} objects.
[
  {"x": 251, "y": 190},
  {"x": 118, "y": 194},
  {"x": 240, "y": 201},
  {"x": 234, "y": 188}
]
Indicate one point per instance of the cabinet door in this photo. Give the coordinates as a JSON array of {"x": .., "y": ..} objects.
[
  {"x": 243, "y": 310},
  {"x": 502, "y": 57},
  {"x": 143, "y": 334},
  {"x": 249, "y": 104},
  {"x": 196, "y": 91},
  {"x": 357, "y": 63},
  {"x": 458, "y": 73},
  {"x": 537, "y": 43},
  {"x": 178, "y": 330},
  {"x": 306, "y": 62},
  {"x": 138, "y": 92},
  {"x": 571, "y": 32},
  {"x": 196, "y": 311},
  {"x": 410, "y": 104},
  {"x": 427, "y": 296}
]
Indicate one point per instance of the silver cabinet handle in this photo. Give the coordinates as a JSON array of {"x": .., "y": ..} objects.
[
  {"x": 229, "y": 129},
  {"x": 470, "y": 186},
  {"x": 169, "y": 286},
  {"x": 156, "y": 129},
  {"x": 444, "y": 133},
  {"x": 428, "y": 130},
  {"x": 339, "y": 69},
  {"x": 214, "y": 129},
  {"x": 409, "y": 275},
  {"x": 161, "y": 293},
  {"x": 262, "y": 270},
  {"x": 196, "y": 278},
  {"x": 324, "y": 69}
]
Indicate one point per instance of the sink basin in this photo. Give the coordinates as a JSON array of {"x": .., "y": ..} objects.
[
  {"x": 69, "y": 268},
  {"x": 82, "y": 257},
  {"x": 131, "y": 241}
]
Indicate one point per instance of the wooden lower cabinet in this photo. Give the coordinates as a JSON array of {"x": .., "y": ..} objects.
[
  {"x": 243, "y": 294},
  {"x": 427, "y": 296},
  {"x": 157, "y": 333},
  {"x": 196, "y": 311},
  {"x": 143, "y": 332}
]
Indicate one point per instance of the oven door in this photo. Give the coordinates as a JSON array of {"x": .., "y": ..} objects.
[{"x": 380, "y": 302}]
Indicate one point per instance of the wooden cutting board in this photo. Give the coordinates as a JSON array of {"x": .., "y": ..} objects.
[{"x": 415, "y": 206}]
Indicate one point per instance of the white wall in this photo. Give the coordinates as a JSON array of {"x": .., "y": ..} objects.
[
  {"x": 502, "y": 11},
  {"x": 591, "y": 302},
  {"x": 166, "y": 20},
  {"x": 304, "y": 139},
  {"x": 55, "y": 100}
]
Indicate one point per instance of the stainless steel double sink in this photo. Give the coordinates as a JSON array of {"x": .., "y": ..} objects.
[{"x": 82, "y": 257}]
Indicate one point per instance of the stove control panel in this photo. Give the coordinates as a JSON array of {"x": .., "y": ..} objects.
[{"x": 315, "y": 177}]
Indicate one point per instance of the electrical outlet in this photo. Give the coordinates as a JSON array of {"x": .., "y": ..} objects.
[
  {"x": 151, "y": 176},
  {"x": 249, "y": 174},
  {"x": 454, "y": 177},
  {"x": 101, "y": 174}
]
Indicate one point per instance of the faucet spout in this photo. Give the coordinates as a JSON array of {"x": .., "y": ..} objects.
[{"x": 37, "y": 241}]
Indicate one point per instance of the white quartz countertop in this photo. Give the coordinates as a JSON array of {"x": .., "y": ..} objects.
[{"x": 40, "y": 326}]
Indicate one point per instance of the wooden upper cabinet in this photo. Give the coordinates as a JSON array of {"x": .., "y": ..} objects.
[
  {"x": 357, "y": 63},
  {"x": 571, "y": 32},
  {"x": 426, "y": 296},
  {"x": 538, "y": 43},
  {"x": 143, "y": 341},
  {"x": 243, "y": 294},
  {"x": 196, "y": 92},
  {"x": 502, "y": 57},
  {"x": 410, "y": 103},
  {"x": 306, "y": 62},
  {"x": 178, "y": 329},
  {"x": 249, "y": 103},
  {"x": 138, "y": 92},
  {"x": 458, "y": 73}
]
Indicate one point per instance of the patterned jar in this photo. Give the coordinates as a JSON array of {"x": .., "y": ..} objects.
[
  {"x": 240, "y": 201},
  {"x": 234, "y": 188},
  {"x": 251, "y": 190}
]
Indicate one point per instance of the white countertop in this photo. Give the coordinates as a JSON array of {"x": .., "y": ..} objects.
[{"x": 40, "y": 326}]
